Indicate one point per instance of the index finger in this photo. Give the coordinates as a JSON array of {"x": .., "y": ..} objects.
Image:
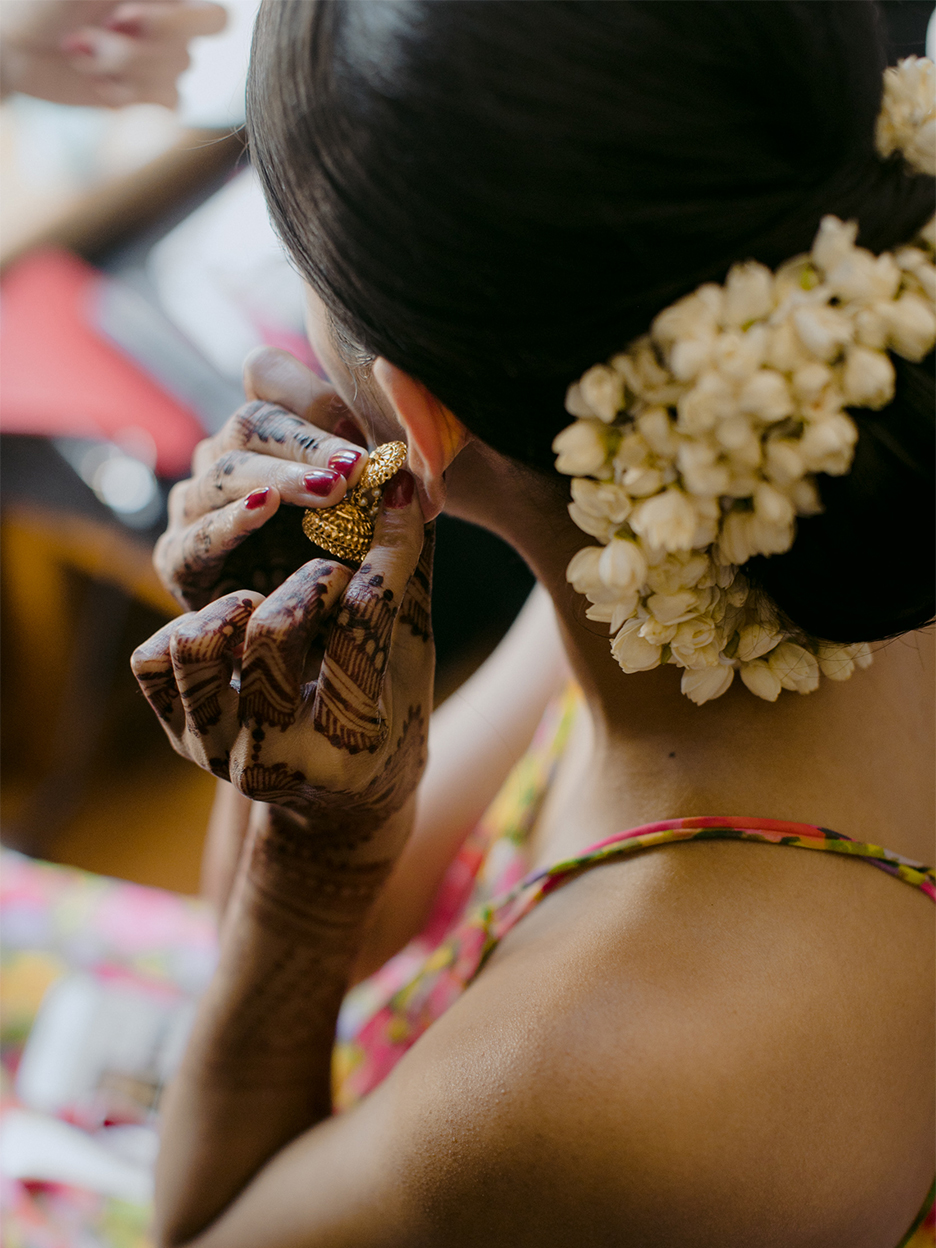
[
  {"x": 268, "y": 429},
  {"x": 181, "y": 19}
]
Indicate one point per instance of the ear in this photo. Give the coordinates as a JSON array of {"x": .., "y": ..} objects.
[{"x": 434, "y": 434}]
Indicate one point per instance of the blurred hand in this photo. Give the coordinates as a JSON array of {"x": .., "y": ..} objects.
[
  {"x": 295, "y": 443},
  {"x": 95, "y": 52}
]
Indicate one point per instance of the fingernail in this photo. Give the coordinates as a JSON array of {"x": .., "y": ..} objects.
[
  {"x": 321, "y": 482},
  {"x": 256, "y": 499},
  {"x": 399, "y": 493},
  {"x": 347, "y": 429},
  {"x": 344, "y": 461}
]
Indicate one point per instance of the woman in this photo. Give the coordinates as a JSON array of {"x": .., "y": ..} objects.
[{"x": 713, "y": 1043}]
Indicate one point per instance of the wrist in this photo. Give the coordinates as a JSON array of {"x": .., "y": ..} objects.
[{"x": 317, "y": 880}]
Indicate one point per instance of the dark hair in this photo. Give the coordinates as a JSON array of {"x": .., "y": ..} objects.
[{"x": 497, "y": 195}]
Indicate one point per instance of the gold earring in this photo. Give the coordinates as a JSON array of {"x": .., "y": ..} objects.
[{"x": 346, "y": 530}]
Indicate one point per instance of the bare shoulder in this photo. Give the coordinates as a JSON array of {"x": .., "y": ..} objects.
[
  {"x": 652, "y": 1058},
  {"x": 716, "y": 1045}
]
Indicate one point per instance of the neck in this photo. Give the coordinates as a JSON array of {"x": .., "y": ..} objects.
[{"x": 855, "y": 756}]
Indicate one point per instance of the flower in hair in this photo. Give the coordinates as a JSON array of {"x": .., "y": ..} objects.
[{"x": 698, "y": 447}]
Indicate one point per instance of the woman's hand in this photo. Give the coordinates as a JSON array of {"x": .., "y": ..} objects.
[
  {"x": 96, "y": 52},
  {"x": 286, "y": 446},
  {"x": 330, "y": 715}
]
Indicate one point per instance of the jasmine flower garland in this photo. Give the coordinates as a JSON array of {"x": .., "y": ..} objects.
[{"x": 697, "y": 447}]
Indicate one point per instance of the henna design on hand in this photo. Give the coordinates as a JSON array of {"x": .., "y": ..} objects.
[
  {"x": 353, "y": 671},
  {"x": 416, "y": 611},
  {"x": 157, "y": 684},
  {"x": 201, "y": 648},
  {"x": 277, "y": 644},
  {"x": 268, "y": 422}
]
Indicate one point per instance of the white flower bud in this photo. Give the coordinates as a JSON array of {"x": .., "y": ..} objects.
[
  {"x": 833, "y": 243},
  {"x": 691, "y": 317},
  {"x": 658, "y": 634},
  {"x": 594, "y": 526},
  {"x": 906, "y": 122},
  {"x": 683, "y": 570},
  {"x": 926, "y": 238},
  {"x": 810, "y": 381},
  {"x": 871, "y": 327},
  {"x": 783, "y": 462},
  {"x": 702, "y": 473},
  {"x": 691, "y": 638},
  {"x": 633, "y": 452},
  {"x": 689, "y": 356},
  {"x": 600, "y": 612},
  {"x": 602, "y": 498},
  {"x": 755, "y": 640},
  {"x": 641, "y": 482},
  {"x": 794, "y": 667},
  {"x": 737, "y": 355},
  {"x": 749, "y": 293},
  {"x": 836, "y": 662},
  {"x": 863, "y": 278},
  {"x": 767, "y": 396},
  {"x": 773, "y": 507},
  {"x": 708, "y": 683},
  {"x": 805, "y": 498},
  {"x": 926, "y": 276},
  {"x": 674, "y": 608},
  {"x": 622, "y": 566},
  {"x": 667, "y": 521},
  {"x": 827, "y": 445},
  {"x": 736, "y": 542},
  {"x": 582, "y": 572},
  {"x": 823, "y": 331},
  {"x": 656, "y": 428},
  {"x": 711, "y": 399},
  {"x": 761, "y": 680},
  {"x": 632, "y": 652},
  {"x": 575, "y": 403},
  {"x": 862, "y": 655},
  {"x": 785, "y": 352},
  {"x": 581, "y": 448},
  {"x": 868, "y": 378},
  {"x": 911, "y": 327},
  {"x": 603, "y": 391},
  {"x": 734, "y": 433}
]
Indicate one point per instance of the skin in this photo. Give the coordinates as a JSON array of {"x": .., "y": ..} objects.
[{"x": 707, "y": 1045}]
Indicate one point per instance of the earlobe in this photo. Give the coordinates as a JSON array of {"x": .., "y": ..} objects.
[{"x": 434, "y": 434}]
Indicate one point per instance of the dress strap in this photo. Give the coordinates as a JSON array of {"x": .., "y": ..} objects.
[{"x": 504, "y": 913}]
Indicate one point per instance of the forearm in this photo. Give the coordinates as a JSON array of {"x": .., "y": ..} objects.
[
  {"x": 257, "y": 1070},
  {"x": 224, "y": 840}
]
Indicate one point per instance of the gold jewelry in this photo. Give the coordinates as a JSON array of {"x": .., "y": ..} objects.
[{"x": 346, "y": 530}]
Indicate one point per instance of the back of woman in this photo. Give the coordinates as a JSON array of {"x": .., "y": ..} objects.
[{"x": 614, "y": 1006}]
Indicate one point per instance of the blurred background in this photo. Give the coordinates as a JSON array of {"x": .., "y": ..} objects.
[{"x": 137, "y": 270}]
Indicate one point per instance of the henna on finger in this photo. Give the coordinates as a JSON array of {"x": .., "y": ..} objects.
[
  {"x": 202, "y": 649},
  {"x": 416, "y": 609},
  {"x": 278, "y": 639},
  {"x": 346, "y": 704},
  {"x": 151, "y": 664}
]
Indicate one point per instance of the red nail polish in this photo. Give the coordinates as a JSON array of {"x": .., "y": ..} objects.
[
  {"x": 321, "y": 482},
  {"x": 344, "y": 461},
  {"x": 347, "y": 429},
  {"x": 256, "y": 499},
  {"x": 399, "y": 492}
]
